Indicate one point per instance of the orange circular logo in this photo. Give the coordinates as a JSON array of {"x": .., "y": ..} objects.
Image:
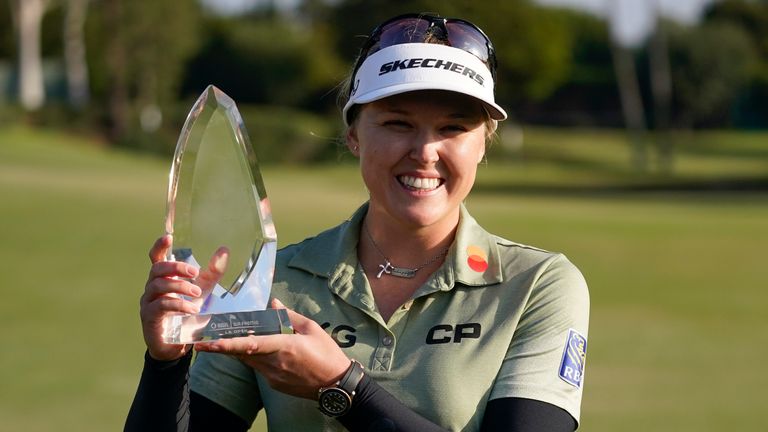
[{"x": 478, "y": 259}]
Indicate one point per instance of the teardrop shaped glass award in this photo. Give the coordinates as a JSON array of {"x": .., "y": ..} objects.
[{"x": 221, "y": 222}]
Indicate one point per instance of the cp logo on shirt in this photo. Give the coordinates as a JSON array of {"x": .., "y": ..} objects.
[{"x": 445, "y": 333}]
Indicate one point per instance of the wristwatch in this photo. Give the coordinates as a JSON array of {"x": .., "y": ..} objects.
[{"x": 336, "y": 400}]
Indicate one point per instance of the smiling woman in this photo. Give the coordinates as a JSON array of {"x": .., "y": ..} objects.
[
  {"x": 418, "y": 157},
  {"x": 448, "y": 327}
]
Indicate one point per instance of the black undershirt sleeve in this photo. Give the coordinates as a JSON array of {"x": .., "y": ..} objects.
[
  {"x": 163, "y": 402},
  {"x": 375, "y": 410},
  {"x": 207, "y": 415},
  {"x": 162, "y": 399},
  {"x": 526, "y": 415}
]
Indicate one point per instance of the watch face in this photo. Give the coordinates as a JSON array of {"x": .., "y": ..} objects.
[{"x": 334, "y": 402}]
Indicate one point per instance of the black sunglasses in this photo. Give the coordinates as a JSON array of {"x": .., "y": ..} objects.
[{"x": 417, "y": 28}]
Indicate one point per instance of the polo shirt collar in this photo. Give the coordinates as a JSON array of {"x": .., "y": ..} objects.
[
  {"x": 473, "y": 259},
  {"x": 474, "y": 255},
  {"x": 332, "y": 254}
]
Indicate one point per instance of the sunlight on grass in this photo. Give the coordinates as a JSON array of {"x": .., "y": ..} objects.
[{"x": 676, "y": 279}]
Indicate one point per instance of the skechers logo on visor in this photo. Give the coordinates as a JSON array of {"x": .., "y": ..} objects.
[{"x": 431, "y": 63}]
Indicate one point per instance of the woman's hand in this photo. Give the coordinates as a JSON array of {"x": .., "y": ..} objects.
[
  {"x": 296, "y": 364},
  {"x": 167, "y": 281}
]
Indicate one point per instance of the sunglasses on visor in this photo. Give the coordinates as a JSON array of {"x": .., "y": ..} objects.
[{"x": 418, "y": 28}]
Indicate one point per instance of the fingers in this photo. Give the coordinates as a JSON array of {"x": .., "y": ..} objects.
[
  {"x": 159, "y": 287},
  {"x": 168, "y": 281},
  {"x": 251, "y": 345},
  {"x": 172, "y": 269},
  {"x": 169, "y": 277},
  {"x": 264, "y": 344},
  {"x": 218, "y": 262},
  {"x": 159, "y": 250},
  {"x": 175, "y": 269},
  {"x": 217, "y": 265},
  {"x": 167, "y": 304}
]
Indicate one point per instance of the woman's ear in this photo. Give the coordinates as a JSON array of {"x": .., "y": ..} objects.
[
  {"x": 352, "y": 143},
  {"x": 481, "y": 155}
]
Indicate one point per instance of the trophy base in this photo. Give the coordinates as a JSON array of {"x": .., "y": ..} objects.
[{"x": 185, "y": 329}]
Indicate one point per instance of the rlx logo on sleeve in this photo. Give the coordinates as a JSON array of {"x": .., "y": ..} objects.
[{"x": 574, "y": 355}]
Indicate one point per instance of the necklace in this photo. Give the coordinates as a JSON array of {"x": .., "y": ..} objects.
[{"x": 402, "y": 272}]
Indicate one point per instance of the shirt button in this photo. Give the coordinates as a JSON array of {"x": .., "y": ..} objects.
[{"x": 387, "y": 340}]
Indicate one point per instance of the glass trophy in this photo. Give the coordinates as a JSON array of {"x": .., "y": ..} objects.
[{"x": 216, "y": 198}]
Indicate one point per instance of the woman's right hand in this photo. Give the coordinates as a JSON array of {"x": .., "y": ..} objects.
[{"x": 167, "y": 281}]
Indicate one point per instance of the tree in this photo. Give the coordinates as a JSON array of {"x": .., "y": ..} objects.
[
  {"x": 631, "y": 98},
  {"x": 589, "y": 94},
  {"x": 7, "y": 32},
  {"x": 78, "y": 87},
  {"x": 137, "y": 52},
  {"x": 267, "y": 60},
  {"x": 28, "y": 17},
  {"x": 752, "y": 17},
  {"x": 712, "y": 64},
  {"x": 631, "y": 102},
  {"x": 661, "y": 90}
]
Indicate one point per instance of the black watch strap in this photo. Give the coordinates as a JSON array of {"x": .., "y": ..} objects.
[{"x": 352, "y": 378}]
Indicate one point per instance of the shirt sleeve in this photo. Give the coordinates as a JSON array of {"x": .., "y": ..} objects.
[
  {"x": 162, "y": 399},
  {"x": 228, "y": 382},
  {"x": 545, "y": 359}
]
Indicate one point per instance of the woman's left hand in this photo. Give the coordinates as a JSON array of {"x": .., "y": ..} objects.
[{"x": 297, "y": 364}]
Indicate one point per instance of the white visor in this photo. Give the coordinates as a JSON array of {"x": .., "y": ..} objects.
[{"x": 422, "y": 66}]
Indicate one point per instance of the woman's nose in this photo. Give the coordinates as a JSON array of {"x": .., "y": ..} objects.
[{"x": 425, "y": 148}]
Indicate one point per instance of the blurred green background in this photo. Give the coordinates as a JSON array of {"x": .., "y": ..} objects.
[{"x": 652, "y": 178}]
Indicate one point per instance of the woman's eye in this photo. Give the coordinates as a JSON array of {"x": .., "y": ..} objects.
[
  {"x": 454, "y": 128},
  {"x": 396, "y": 123}
]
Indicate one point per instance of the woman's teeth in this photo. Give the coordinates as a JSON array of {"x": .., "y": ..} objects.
[{"x": 420, "y": 182}]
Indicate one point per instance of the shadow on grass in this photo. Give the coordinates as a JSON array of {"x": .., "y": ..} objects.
[{"x": 726, "y": 185}]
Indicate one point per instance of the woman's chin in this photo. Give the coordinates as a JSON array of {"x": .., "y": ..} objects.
[{"x": 426, "y": 214}]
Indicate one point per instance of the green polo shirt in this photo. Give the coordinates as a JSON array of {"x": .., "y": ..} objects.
[{"x": 497, "y": 319}]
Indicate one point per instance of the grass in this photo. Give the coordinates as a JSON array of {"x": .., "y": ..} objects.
[{"x": 677, "y": 277}]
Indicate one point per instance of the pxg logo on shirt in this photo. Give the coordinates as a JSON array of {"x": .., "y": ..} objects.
[
  {"x": 342, "y": 334},
  {"x": 431, "y": 63},
  {"x": 574, "y": 356}
]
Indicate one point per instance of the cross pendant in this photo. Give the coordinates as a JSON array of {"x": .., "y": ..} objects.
[{"x": 385, "y": 268}]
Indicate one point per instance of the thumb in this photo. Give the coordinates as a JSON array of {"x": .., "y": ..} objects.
[
  {"x": 159, "y": 250},
  {"x": 300, "y": 323}
]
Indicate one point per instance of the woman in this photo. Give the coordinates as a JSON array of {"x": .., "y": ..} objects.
[{"x": 451, "y": 328}]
